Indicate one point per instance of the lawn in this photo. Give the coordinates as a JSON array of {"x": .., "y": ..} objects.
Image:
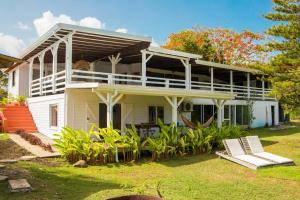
[{"x": 193, "y": 177}]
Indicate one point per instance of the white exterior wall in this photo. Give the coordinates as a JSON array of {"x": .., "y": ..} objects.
[
  {"x": 84, "y": 105},
  {"x": 21, "y": 81},
  {"x": 40, "y": 110},
  {"x": 261, "y": 110}
]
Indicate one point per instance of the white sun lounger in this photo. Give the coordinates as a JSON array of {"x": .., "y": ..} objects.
[
  {"x": 236, "y": 153},
  {"x": 253, "y": 146}
]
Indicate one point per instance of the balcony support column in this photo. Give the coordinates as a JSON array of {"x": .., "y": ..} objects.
[
  {"x": 248, "y": 85},
  {"x": 69, "y": 57},
  {"x": 187, "y": 67},
  {"x": 54, "y": 50},
  {"x": 114, "y": 61},
  {"x": 212, "y": 79},
  {"x": 30, "y": 75},
  {"x": 231, "y": 81},
  {"x": 145, "y": 59},
  {"x": 263, "y": 88},
  {"x": 42, "y": 65}
]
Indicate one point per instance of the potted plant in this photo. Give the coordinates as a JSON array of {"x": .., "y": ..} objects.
[{"x": 21, "y": 100}]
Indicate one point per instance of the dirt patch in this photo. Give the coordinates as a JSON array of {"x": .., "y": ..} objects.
[
  {"x": 10, "y": 150},
  {"x": 50, "y": 162}
]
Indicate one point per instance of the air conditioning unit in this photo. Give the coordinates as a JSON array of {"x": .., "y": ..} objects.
[{"x": 187, "y": 106}]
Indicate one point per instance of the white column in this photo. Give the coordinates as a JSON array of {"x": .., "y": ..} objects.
[
  {"x": 187, "y": 79},
  {"x": 219, "y": 114},
  {"x": 174, "y": 110},
  {"x": 41, "y": 59},
  {"x": 231, "y": 81},
  {"x": 212, "y": 79},
  {"x": 248, "y": 85},
  {"x": 109, "y": 110},
  {"x": 69, "y": 58},
  {"x": 144, "y": 68},
  {"x": 263, "y": 88},
  {"x": 30, "y": 75},
  {"x": 54, "y": 66}
]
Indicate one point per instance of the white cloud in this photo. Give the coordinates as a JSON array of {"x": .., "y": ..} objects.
[
  {"x": 11, "y": 45},
  {"x": 154, "y": 43},
  {"x": 48, "y": 20},
  {"x": 122, "y": 30},
  {"x": 22, "y": 26}
]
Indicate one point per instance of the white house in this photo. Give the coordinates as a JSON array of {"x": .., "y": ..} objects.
[{"x": 77, "y": 76}]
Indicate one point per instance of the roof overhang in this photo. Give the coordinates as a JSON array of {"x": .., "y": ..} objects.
[
  {"x": 152, "y": 91},
  {"x": 8, "y": 61},
  {"x": 91, "y": 40},
  {"x": 168, "y": 52},
  {"x": 229, "y": 67}
]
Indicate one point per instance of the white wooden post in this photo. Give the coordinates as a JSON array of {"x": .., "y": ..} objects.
[
  {"x": 41, "y": 59},
  {"x": 248, "y": 85},
  {"x": 109, "y": 110},
  {"x": 220, "y": 105},
  {"x": 30, "y": 75},
  {"x": 174, "y": 110},
  {"x": 69, "y": 58},
  {"x": 231, "y": 81},
  {"x": 186, "y": 65},
  {"x": 212, "y": 79},
  {"x": 263, "y": 88},
  {"x": 144, "y": 68},
  {"x": 190, "y": 76},
  {"x": 54, "y": 66}
]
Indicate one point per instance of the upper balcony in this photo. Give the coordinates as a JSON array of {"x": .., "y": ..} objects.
[{"x": 72, "y": 56}]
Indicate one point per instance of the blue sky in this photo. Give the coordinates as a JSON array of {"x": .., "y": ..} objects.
[{"x": 155, "y": 18}]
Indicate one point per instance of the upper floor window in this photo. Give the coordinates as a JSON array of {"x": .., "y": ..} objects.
[{"x": 13, "y": 78}]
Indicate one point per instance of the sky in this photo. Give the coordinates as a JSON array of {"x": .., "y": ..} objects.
[{"x": 22, "y": 22}]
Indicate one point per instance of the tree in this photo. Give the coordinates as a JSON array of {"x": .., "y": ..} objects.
[
  {"x": 3, "y": 85},
  {"x": 285, "y": 66},
  {"x": 220, "y": 45}
]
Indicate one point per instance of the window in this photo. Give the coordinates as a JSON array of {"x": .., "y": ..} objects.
[
  {"x": 53, "y": 115},
  {"x": 155, "y": 113},
  {"x": 13, "y": 79}
]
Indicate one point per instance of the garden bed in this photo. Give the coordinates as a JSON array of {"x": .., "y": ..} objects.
[{"x": 10, "y": 150}]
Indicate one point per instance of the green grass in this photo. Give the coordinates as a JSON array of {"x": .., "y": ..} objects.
[
  {"x": 195, "y": 177},
  {"x": 4, "y": 136}
]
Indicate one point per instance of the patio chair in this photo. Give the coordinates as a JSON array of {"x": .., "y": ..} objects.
[
  {"x": 253, "y": 146},
  {"x": 235, "y": 153}
]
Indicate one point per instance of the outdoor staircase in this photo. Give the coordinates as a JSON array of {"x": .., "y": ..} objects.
[{"x": 18, "y": 117}]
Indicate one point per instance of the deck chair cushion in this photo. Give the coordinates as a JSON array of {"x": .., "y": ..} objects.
[
  {"x": 273, "y": 157},
  {"x": 255, "y": 144},
  {"x": 234, "y": 146},
  {"x": 254, "y": 160}
]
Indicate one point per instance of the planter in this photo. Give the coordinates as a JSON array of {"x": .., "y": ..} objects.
[{"x": 136, "y": 197}]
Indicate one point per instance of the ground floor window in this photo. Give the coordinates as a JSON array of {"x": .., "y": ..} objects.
[
  {"x": 53, "y": 115},
  {"x": 201, "y": 113},
  {"x": 232, "y": 114},
  {"x": 155, "y": 113}
]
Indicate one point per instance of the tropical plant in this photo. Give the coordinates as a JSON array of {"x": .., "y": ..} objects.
[{"x": 21, "y": 99}]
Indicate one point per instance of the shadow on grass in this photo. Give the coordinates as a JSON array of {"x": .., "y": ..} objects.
[{"x": 59, "y": 184}]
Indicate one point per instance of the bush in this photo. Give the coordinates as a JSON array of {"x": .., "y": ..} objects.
[
  {"x": 34, "y": 140},
  {"x": 98, "y": 145}
]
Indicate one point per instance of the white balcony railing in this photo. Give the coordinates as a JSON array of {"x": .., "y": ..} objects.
[{"x": 50, "y": 86}]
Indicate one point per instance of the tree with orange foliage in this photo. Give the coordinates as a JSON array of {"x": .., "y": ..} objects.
[{"x": 220, "y": 45}]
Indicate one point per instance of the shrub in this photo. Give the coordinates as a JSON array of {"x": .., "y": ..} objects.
[
  {"x": 34, "y": 140},
  {"x": 21, "y": 100},
  {"x": 98, "y": 145}
]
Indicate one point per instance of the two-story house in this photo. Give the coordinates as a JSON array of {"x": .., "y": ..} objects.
[{"x": 77, "y": 76}]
